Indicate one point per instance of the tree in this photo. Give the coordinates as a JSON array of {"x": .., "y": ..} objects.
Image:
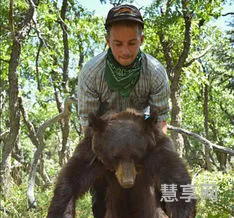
[
  {"x": 177, "y": 23},
  {"x": 206, "y": 98},
  {"x": 40, "y": 60},
  {"x": 18, "y": 34}
]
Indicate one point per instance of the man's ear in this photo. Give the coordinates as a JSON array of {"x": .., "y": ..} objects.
[
  {"x": 96, "y": 122},
  {"x": 107, "y": 41}
]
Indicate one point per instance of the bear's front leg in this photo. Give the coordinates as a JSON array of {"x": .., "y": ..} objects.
[
  {"x": 169, "y": 174},
  {"x": 74, "y": 180},
  {"x": 145, "y": 200}
]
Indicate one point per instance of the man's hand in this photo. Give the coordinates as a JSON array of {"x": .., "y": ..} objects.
[{"x": 163, "y": 126}]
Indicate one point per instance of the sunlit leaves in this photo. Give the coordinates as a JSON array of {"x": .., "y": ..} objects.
[
  {"x": 41, "y": 60},
  {"x": 213, "y": 69}
]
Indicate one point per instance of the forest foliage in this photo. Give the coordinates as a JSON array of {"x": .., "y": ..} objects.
[{"x": 44, "y": 44}]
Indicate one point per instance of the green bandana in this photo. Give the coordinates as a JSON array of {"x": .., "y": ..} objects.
[{"x": 122, "y": 78}]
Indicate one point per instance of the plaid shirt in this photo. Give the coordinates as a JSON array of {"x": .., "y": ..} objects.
[{"x": 152, "y": 90}]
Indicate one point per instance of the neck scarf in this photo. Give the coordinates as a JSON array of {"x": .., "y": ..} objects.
[{"x": 122, "y": 78}]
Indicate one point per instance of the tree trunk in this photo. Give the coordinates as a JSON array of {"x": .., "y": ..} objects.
[
  {"x": 206, "y": 121},
  {"x": 38, "y": 139},
  {"x": 174, "y": 70},
  {"x": 222, "y": 159},
  {"x": 14, "y": 117},
  {"x": 43, "y": 173},
  {"x": 176, "y": 117},
  {"x": 13, "y": 92},
  {"x": 65, "y": 44},
  {"x": 64, "y": 152}
]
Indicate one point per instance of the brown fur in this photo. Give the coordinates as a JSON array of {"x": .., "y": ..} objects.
[{"x": 114, "y": 138}]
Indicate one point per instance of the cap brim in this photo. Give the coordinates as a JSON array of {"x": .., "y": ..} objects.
[{"x": 125, "y": 19}]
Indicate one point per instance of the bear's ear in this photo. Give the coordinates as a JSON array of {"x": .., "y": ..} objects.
[
  {"x": 96, "y": 122},
  {"x": 152, "y": 119}
]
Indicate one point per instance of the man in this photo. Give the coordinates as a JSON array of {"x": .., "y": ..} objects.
[{"x": 122, "y": 77}]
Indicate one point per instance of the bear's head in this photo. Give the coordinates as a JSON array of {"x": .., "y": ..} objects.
[{"x": 121, "y": 142}]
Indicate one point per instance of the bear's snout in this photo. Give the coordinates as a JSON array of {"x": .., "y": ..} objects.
[{"x": 126, "y": 173}]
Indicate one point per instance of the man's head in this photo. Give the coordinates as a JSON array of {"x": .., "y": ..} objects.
[{"x": 124, "y": 25}]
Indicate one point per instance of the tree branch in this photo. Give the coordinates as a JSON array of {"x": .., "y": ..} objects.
[
  {"x": 167, "y": 53},
  {"x": 11, "y": 18},
  {"x": 29, "y": 125},
  {"x": 229, "y": 13},
  {"x": 23, "y": 32},
  {"x": 198, "y": 56},
  {"x": 40, "y": 136},
  {"x": 65, "y": 44},
  {"x": 7, "y": 61},
  {"x": 202, "y": 139},
  {"x": 37, "y": 65},
  {"x": 187, "y": 39},
  {"x": 4, "y": 134}
]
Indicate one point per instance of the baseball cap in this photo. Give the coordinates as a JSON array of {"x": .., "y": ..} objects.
[{"x": 123, "y": 12}]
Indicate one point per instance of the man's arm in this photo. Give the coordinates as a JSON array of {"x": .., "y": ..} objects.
[
  {"x": 88, "y": 100},
  {"x": 160, "y": 94}
]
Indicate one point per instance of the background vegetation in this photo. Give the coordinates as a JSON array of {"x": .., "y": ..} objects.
[{"x": 44, "y": 44}]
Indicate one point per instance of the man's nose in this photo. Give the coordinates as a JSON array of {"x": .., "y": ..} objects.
[{"x": 126, "y": 51}]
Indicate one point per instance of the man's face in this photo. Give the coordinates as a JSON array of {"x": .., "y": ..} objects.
[{"x": 124, "y": 42}]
